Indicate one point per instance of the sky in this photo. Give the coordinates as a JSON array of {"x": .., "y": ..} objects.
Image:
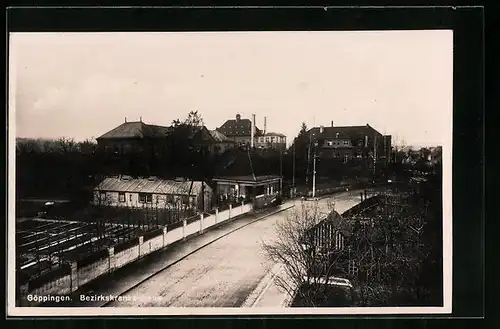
[{"x": 81, "y": 85}]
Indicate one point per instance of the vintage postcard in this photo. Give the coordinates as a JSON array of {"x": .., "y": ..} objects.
[{"x": 217, "y": 173}]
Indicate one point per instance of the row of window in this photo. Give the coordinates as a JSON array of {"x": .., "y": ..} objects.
[
  {"x": 271, "y": 139},
  {"x": 338, "y": 142},
  {"x": 148, "y": 198}
]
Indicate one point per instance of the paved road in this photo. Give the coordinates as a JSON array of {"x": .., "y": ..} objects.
[{"x": 224, "y": 273}]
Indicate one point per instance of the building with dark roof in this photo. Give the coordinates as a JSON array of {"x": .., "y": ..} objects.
[
  {"x": 137, "y": 137},
  {"x": 349, "y": 142},
  {"x": 239, "y": 130}
]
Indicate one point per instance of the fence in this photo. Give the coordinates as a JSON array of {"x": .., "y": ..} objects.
[{"x": 69, "y": 278}]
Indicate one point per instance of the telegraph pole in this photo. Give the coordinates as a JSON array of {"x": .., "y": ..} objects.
[
  {"x": 374, "y": 157},
  {"x": 293, "y": 163},
  {"x": 281, "y": 172},
  {"x": 314, "y": 176}
]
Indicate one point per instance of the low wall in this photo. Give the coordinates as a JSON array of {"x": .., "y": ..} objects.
[{"x": 67, "y": 279}]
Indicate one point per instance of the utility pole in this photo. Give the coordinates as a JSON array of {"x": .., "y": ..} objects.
[
  {"x": 281, "y": 172},
  {"x": 314, "y": 176},
  {"x": 374, "y": 156},
  {"x": 293, "y": 163}
]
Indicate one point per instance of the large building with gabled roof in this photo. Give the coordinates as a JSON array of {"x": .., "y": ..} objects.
[
  {"x": 137, "y": 137},
  {"x": 239, "y": 130},
  {"x": 347, "y": 142}
]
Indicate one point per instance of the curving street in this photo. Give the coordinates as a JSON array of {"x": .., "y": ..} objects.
[{"x": 224, "y": 273}]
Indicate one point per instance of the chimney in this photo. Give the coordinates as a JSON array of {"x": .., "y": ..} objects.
[
  {"x": 125, "y": 119},
  {"x": 238, "y": 117},
  {"x": 252, "y": 134},
  {"x": 265, "y": 125},
  {"x": 140, "y": 119},
  {"x": 321, "y": 128},
  {"x": 332, "y": 123}
]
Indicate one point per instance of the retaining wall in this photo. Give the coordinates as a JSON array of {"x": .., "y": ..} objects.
[{"x": 67, "y": 279}]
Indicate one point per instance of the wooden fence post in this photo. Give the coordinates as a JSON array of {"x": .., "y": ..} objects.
[{"x": 164, "y": 235}]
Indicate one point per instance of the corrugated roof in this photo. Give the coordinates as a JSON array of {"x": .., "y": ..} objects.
[
  {"x": 173, "y": 187},
  {"x": 159, "y": 186}
]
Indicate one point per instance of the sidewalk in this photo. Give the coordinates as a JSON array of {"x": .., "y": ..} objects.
[{"x": 126, "y": 278}]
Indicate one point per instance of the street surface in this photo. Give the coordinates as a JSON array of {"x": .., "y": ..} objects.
[{"x": 226, "y": 272}]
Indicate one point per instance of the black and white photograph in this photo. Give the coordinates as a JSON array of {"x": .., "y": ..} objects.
[{"x": 284, "y": 172}]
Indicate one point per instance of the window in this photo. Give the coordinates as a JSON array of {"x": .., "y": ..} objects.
[
  {"x": 102, "y": 196},
  {"x": 130, "y": 197},
  {"x": 121, "y": 196},
  {"x": 170, "y": 198},
  {"x": 329, "y": 143},
  {"x": 346, "y": 142},
  {"x": 185, "y": 200},
  {"x": 346, "y": 157},
  {"x": 145, "y": 198}
]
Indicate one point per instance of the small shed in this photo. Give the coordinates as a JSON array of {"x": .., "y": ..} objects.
[{"x": 231, "y": 187}]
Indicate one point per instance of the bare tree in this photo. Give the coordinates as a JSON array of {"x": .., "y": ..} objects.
[
  {"x": 381, "y": 258},
  {"x": 304, "y": 260}
]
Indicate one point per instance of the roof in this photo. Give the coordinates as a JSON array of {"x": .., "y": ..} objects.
[
  {"x": 343, "y": 132},
  {"x": 239, "y": 162},
  {"x": 248, "y": 178},
  {"x": 238, "y": 127},
  {"x": 274, "y": 134},
  {"x": 220, "y": 137},
  {"x": 136, "y": 129},
  {"x": 142, "y": 185},
  {"x": 337, "y": 221}
]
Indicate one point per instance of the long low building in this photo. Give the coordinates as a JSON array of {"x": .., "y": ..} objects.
[{"x": 130, "y": 192}]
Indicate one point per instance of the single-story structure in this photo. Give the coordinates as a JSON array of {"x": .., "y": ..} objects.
[
  {"x": 125, "y": 191},
  {"x": 249, "y": 186}
]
